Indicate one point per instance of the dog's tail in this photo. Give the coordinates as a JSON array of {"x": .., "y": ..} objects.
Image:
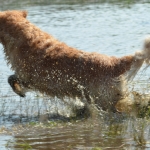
[
  {"x": 146, "y": 51},
  {"x": 139, "y": 58}
]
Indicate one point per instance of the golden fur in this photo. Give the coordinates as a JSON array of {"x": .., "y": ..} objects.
[{"x": 42, "y": 63}]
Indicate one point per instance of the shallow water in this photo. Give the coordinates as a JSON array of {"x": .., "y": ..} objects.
[{"x": 108, "y": 27}]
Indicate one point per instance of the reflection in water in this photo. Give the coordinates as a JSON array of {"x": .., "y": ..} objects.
[
  {"x": 106, "y": 26},
  {"x": 87, "y": 135}
]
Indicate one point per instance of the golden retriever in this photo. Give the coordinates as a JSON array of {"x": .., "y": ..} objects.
[{"x": 42, "y": 63}]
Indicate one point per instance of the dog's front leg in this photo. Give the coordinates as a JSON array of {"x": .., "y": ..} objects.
[{"x": 16, "y": 85}]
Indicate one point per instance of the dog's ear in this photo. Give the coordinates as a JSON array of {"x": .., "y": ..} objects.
[{"x": 24, "y": 13}]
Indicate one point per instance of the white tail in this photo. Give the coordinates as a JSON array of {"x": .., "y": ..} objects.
[{"x": 139, "y": 58}]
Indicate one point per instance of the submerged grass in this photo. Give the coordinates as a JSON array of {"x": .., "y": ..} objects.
[
  {"x": 24, "y": 145},
  {"x": 96, "y": 148},
  {"x": 100, "y": 133}
]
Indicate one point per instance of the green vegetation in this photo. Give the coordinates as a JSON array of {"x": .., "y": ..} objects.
[
  {"x": 144, "y": 112},
  {"x": 96, "y": 148},
  {"x": 24, "y": 145}
]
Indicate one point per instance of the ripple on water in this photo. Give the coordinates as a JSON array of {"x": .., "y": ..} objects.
[
  {"x": 108, "y": 27},
  {"x": 87, "y": 135}
]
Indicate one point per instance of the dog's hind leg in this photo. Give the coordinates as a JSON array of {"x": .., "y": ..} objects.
[{"x": 16, "y": 85}]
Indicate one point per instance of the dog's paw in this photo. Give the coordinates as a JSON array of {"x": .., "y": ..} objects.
[{"x": 16, "y": 86}]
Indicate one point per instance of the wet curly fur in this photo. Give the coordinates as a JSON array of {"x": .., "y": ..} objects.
[{"x": 42, "y": 63}]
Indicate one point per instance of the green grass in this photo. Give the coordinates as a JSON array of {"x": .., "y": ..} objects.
[
  {"x": 96, "y": 148},
  {"x": 24, "y": 145}
]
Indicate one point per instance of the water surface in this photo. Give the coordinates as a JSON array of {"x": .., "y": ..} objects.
[{"x": 108, "y": 27}]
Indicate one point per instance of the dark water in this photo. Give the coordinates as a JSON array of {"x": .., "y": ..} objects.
[{"x": 105, "y": 26}]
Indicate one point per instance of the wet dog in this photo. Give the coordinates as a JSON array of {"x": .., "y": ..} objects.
[{"x": 42, "y": 63}]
